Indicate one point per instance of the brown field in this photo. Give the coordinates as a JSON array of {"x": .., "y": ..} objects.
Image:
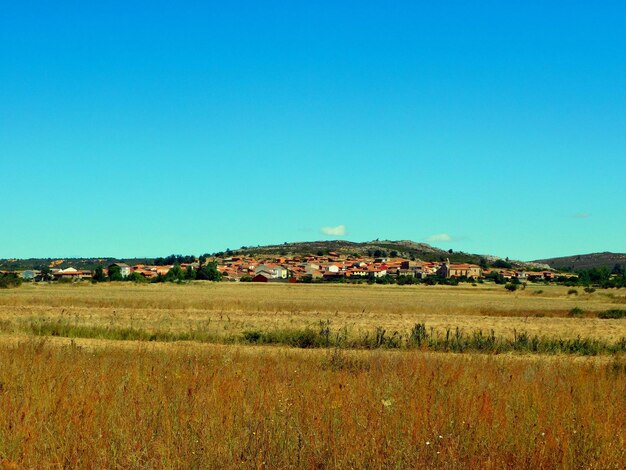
[{"x": 85, "y": 403}]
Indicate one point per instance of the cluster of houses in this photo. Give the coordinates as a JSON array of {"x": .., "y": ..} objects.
[
  {"x": 125, "y": 270},
  {"x": 305, "y": 268},
  {"x": 334, "y": 266}
]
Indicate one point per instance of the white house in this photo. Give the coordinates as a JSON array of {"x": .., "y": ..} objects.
[{"x": 276, "y": 272}]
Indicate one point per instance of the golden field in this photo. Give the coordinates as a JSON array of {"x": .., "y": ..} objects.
[
  {"x": 226, "y": 309},
  {"x": 85, "y": 403}
]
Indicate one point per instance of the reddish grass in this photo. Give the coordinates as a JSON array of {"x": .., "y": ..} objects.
[{"x": 232, "y": 406}]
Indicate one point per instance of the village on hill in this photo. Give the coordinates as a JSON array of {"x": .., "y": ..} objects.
[{"x": 332, "y": 266}]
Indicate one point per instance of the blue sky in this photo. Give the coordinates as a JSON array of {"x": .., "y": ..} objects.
[{"x": 149, "y": 128}]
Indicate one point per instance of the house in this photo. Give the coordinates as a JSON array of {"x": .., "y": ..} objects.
[
  {"x": 124, "y": 268},
  {"x": 376, "y": 272},
  {"x": 275, "y": 271},
  {"x": 71, "y": 273},
  {"x": 333, "y": 269},
  {"x": 261, "y": 277},
  {"x": 358, "y": 272},
  {"x": 448, "y": 270}
]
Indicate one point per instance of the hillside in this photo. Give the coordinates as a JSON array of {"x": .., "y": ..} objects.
[
  {"x": 375, "y": 248},
  {"x": 592, "y": 260}
]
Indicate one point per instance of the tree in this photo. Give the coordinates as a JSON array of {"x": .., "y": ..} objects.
[
  {"x": 136, "y": 278},
  {"x": 496, "y": 277},
  {"x": 190, "y": 274},
  {"x": 115, "y": 273},
  {"x": 175, "y": 274},
  {"x": 46, "y": 274},
  {"x": 502, "y": 264},
  {"x": 9, "y": 280},
  {"x": 98, "y": 275},
  {"x": 209, "y": 272}
]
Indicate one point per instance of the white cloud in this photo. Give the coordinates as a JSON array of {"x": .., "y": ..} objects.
[
  {"x": 338, "y": 231},
  {"x": 439, "y": 237},
  {"x": 582, "y": 215}
]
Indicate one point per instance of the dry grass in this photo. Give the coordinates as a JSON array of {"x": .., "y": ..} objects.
[
  {"x": 226, "y": 309},
  {"x": 229, "y": 406},
  {"x": 105, "y": 404}
]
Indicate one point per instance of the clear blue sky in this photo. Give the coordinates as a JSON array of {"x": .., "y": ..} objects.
[{"x": 149, "y": 128}]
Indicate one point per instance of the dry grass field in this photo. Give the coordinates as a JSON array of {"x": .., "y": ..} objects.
[
  {"x": 226, "y": 309},
  {"x": 85, "y": 403}
]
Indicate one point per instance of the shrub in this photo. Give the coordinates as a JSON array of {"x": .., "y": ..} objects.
[
  {"x": 9, "y": 280},
  {"x": 576, "y": 312},
  {"x": 590, "y": 290},
  {"x": 137, "y": 278},
  {"x": 252, "y": 336},
  {"x": 572, "y": 292},
  {"x": 511, "y": 287},
  {"x": 612, "y": 314}
]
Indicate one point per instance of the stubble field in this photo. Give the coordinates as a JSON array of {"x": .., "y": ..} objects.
[{"x": 74, "y": 397}]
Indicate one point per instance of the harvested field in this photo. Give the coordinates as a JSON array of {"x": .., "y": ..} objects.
[
  {"x": 227, "y": 309},
  {"x": 87, "y": 400}
]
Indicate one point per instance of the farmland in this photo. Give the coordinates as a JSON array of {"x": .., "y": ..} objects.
[
  {"x": 72, "y": 394},
  {"x": 225, "y": 309}
]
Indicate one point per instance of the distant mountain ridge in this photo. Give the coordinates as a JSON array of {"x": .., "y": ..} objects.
[{"x": 592, "y": 260}]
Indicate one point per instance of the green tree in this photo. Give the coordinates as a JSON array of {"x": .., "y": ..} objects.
[
  {"x": 9, "y": 280},
  {"x": 502, "y": 264},
  {"x": 190, "y": 274},
  {"x": 209, "y": 272},
  {"x": 175, "y": 274},
  {"x": 137, "y": 278},
  {"x": 98, "y": 275},
  {"x": 115, "y": 273}
]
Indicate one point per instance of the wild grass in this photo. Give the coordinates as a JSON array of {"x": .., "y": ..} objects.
[
  {"x": 233, "y": 406},
  {"x": 324, "y": 336}
]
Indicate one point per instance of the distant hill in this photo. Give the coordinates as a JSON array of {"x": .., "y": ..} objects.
[
  {"x": 376, "y": 248},
  {"x": 593, "y": 260}
]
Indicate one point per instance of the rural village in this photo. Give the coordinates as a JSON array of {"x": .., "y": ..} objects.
[{"x": 329, "y": 267}]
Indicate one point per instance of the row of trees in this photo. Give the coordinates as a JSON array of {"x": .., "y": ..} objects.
[
  {"x": 206, "y": 272},
  {"x": 601, "y": 277},
  {"x": 180, "y": 259}
]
